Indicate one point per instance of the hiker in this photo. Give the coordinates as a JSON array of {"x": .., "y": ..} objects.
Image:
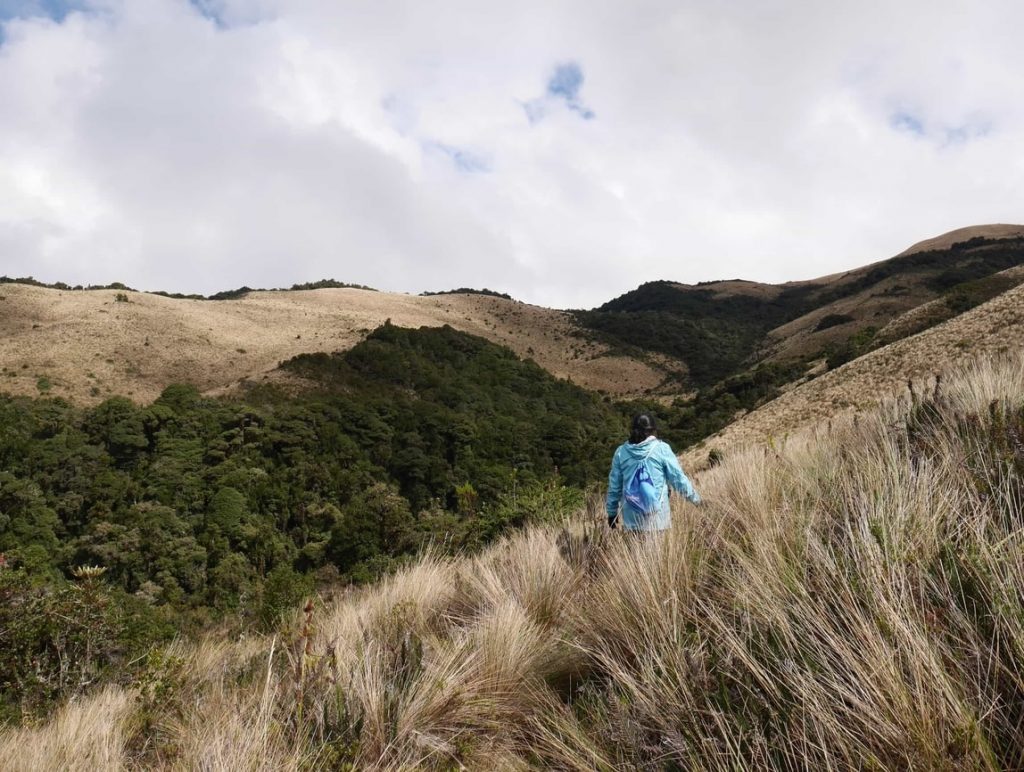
[{"x": 643, "y": 469}]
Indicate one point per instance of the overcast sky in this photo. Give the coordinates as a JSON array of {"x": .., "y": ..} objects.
[{"x": 563, "y": 152}]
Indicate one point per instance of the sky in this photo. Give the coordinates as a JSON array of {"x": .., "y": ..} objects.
[{"x": 562, "y": 152}]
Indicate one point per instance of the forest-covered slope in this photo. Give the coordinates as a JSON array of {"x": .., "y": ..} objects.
[{"x": 201, "y": 509}]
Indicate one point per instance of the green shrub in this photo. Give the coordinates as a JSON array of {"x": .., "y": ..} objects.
[
  {"x": 59, "y": 638},
  {"x": 857, "y": 344},
  {"x": 832, "y": 320}
]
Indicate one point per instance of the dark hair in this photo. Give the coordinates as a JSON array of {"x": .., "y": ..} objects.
[{"x": 644, "y": 426}]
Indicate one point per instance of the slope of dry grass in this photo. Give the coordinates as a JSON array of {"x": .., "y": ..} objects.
[
  {"x": 850, "y": 600},
  {"x": 878, "y": 305},
  {"x": 801, "y": 336},
  {"x": 994, "y": 327},
  {"x": 946, "y": 240},
  {"x": 88, "y": 346},
  {"x": 928, "y": 314}
]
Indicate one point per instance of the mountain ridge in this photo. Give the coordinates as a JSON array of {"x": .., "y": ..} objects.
[{"x": 662, "y": 339}]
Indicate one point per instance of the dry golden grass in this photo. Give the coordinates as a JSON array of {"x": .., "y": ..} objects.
[
  {"x": 87, "y": 735},
  {"x": 994, "y": 327},
  {"x": 85, "y": 346},
  {"x": 882, "y": 303},
  {"x": 946, "y": 240},
  {"x": 89, "y": 346},
  {"x": 928, "y": 313},
  {"x": 849, "y": 600},
  {"x": 801, "y": 336},
  {"x": 729, "y": 288}
]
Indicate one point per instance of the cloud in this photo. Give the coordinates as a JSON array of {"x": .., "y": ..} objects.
[{"x": 195, "y": 146}]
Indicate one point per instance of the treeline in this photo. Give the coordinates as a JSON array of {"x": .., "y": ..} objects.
[
  {"x": 203, "y": 509},
  {"x": 688, "y": 420},
  {"x": 469, "y": 291},
  {"x": 59, "y": 285},
  {"x": 233, "y": 294},
  {"x": 714, "y": 337}
]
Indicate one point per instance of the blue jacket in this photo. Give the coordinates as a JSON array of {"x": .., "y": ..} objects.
[{"x": 665, "y": 471}]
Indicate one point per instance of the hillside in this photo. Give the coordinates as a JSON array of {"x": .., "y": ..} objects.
[
  {"x": 947, "y": 240},
  {"x": 662, "y": 339},
  {"x": 85, "y": 345},
  {"x": 722, "y": 328},
  {"x": 868, "y": 299},
  {"x": 996, "y": 327},
  {"x": 364, "y": 452},
  {"x": 852, "y": 600},
  {"x": 201, "y": 508}
]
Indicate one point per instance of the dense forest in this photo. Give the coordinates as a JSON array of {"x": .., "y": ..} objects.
[
  {"x": 713, "y": 337},
  {"x": 199, "y": 510}
]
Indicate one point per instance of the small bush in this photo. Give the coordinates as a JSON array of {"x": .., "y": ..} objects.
[
  {"x": 857, "y": 344},
  {"x": 60, "y": 638},
  {"x": 832, "y": 320}
]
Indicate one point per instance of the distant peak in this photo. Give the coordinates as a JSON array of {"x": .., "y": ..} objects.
[{"x": 947, "y": 240}]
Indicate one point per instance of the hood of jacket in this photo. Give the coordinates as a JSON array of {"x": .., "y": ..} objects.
[{"x": 642, "y": 451}]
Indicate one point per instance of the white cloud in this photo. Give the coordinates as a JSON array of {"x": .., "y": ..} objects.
[{"x": 201, "y": 146}]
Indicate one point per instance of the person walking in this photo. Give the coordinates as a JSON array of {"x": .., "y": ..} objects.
[{"x": 643, "y": 469}]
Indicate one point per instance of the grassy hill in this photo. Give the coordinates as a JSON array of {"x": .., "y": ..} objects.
[
  {"x": 850, "y": 600},
  {"x": 87, "y": 345},
  {"x": 719, "y": 329},
  {"x": 662, "y": 339},
  {"x": 991, "y": 329}
]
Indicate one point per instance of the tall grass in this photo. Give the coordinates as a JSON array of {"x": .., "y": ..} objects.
[{"x": 850, "y": 599}]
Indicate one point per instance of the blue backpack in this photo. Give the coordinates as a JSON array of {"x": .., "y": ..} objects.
[{"x": 640, "y": 491}]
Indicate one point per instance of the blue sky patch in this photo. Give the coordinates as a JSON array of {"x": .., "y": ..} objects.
[
  {"x": 566, "y": 81},
  {"x": 944, "y": 135},
  {"x": 211, "y": 9},
  {"x": 564, "y": 86},
  {"x": 960, "y": 135},
  {"x": 464, "y": 160},
  {"x": 52, "y": 9},
  {"x": 908, "y": 122}
]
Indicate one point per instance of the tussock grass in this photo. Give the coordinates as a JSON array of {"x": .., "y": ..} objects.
[
  {"x": 86, "y": 735},
  {"x": 849, "y": 599}
]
